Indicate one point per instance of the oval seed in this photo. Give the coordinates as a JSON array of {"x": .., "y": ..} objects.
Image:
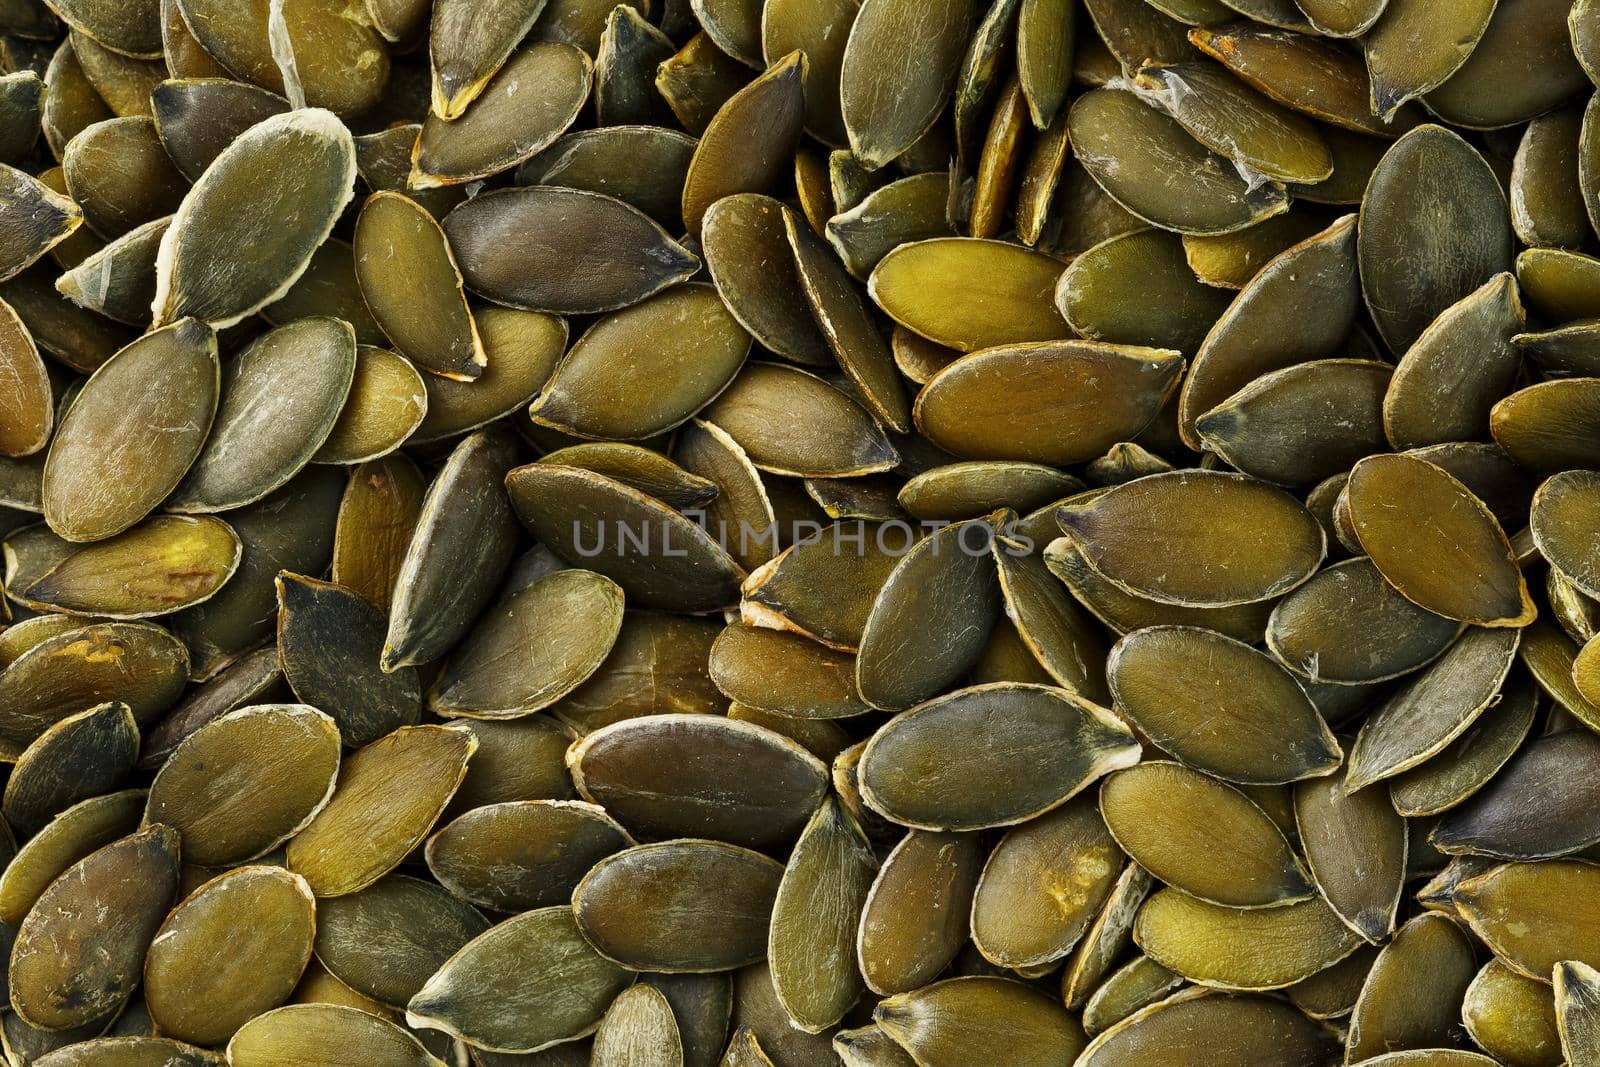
[
  {"x": 1138, "y": 289},
  {"x": 1518, "y": 910},
  {"x": 1578, "y": 1009},
  {"x": 1214, "y": 1026},
  {"x": 834, "y": 438},
  {"x": 522, "y": 855},
  {"x": 952, "y": 1022},
  {"x": 748, "y": 141},
  {"x": 1415, "y": 46},
  {"x": 884, "y": 113},
  {"x": 247, "y": 229},
  {"x": 910, "y": 209},
  {"x": 1184, "y": 688},
  {"x": 1050, "y": 623},
  {"x": 1068, "y": 742},
  {"x": 1243, "y": 949},
  {"x": 291, "y": 1034},
  {"x": 1005, "y": 292},
  {"x": 1560, "y": 514},
  {"x": 747, "y": 252},
  {"x": 82, "y": 756},
  {"x": 27, "y": 411},
  {"x": 758, "y": 791},
  {"x": 1356, "y": 846},
  {"x": 1512, "y": 1016},
  {"x": 785, "y": 674},
  {"x": 1412, "y": 995},
  {"x": 163, "y": 565},
  {"x": 389, "y": 794},
  {"x": 1522, "y": 66},
  {"x": 1471, "y": 760},
  {"x": 1202, "y": 837},
  {"x": 264, "y": 916},
  {"x": 639, "y": 1029},
  {"x": 1538, "y": 807},
  {"x": 518, "y": 246},
  {"x": 169, "y": 379},
  {"x": 467, "y": 43},
  {"x": 197, "y": 118}
]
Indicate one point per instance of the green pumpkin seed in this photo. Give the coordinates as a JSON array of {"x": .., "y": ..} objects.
[
  {"x": 78, "y": 952},
  {"x": 128, "y": 1052},
  {"x": 645, "y": 369},
  {"x": 1217, "y": 1027},
  {"x": 822, "y": 32},
  {"x": 1460, "y": 530},
  {"x": 1241, "y": 541},
  {"x": 519, "y": 759},
  {"x": 748, "y": 141},
  {"x": 523, "y": 349},
  {"x": 1471, "y": 760},
  {"x": 1412, "y": 270},
  {"x": 1106, "y": 937},
  {"x": 1567, "y": 351},
  {"x": 951, "y": 1022},
  {"x": 869, "y": 1046},
  {"x": 388, "y": 400},
  {"x": 1415, "y": 46},
  {"x": 1173, "y": 308},
  {"x": 745, "y": 1051},
  {"x": 1511, "y": 1016},
  {"x": 1558, "y": 283},
  {"x": 1242, "y": 949},
  {"x": 231, "y": 807},
  {"x": 219, "y": 261},
  {"x": 1513, "y": 909},
  {"x": 1070, "y": 742},
  {"x": 747, "y": 252},
  {"x": 823, "y": 587},
  {"x": 835, "y": 438},
  {"x": 649, "y": 472},
  {"x": 1348, "y": 626},
  {"x": 785, "y": 674},
  {"x": 79, "y": 757},
  {"x": 997, "y": 166},
  {"x": 130, "y": 29},
  {"x": 378, "y": 514},
  {"x": 1138, "y": 33},
  {"x": 740, "y": 515},
  {"x": 1356, "y": 846},
  {"x": 698, "y": 80},
  {"x": 884, "y": 114},
  {"x": 1045, "y": 39},
  {"x": 387, "y": 940},
  {"x": 168, "y": 378},
  {"x": 20, "y": 95},
  {"x": 1545, "y": 427},
  {"x": 329, "y": 640},
  {"x": 522, "y": 855},
  {"x": 1412, "y": 996},
  {"x": 80, "y": 830},
  {"x": 1043, "y": 885},
  {"x": 1053, "y": 627},
  {"x": 198, "y": 118},
  {"x": 1547, "y": 201},
  {"x": 148, "y": 186},
  {"x": 377, "y": 814},
  {"x": 1550, "y": 656},
  {"x": 1231, "y": 260},
  {"x": 119, "y": 281},
  {"x": 639, "y": 165},
  {"x": 75, "y": 336},
  {"x": 1135, "y": 986},
  {"x": 468, "y": 42},
  {"x": 163, "y": 565},
  {"x": 958, "y": 491},
  {"x": 1499, "y": 820},
  {"x": 437, "y": 333},
  {"x": 1342, "y": 18},
  {"x": 914, "y": 918},
  {"x": 630, "y": 51},
  {"x": 71, "y": 103},
  {"x": 27, "y": 411},
  {"x": 626, "y": 768},
  {"x": 1004, "y": 295},
  {"x": 265, "y": 916},
  {"x": 1434, "y": 708},
  {"x": 290, "y": 1034},
  {"x": 592, "y": 521},
  {"x": 1260, "y": 333},
  {"x": 1521, "y": 66}
]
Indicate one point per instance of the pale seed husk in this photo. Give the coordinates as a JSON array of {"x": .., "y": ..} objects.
[
  {"x": 377, "y": 815},
  {"x": 989, "y": 292},
  {"x": 1538, "y": 807},
  {"x": 638, "y": 1028},
  {"x": 645, "y": 369},
  {"x": 1243, "y": 949},
  {"x": 78, "y": 951},
  {"x": 220, "y": 261},
  {"x": 626, "y": 256},
  {"x": 82, "y": 756},
  {"x": 1357, "y": 848},
  {"x": 242, "y": 784},
  {"x": 329, "y": 641},
  {"x": 757, "y": 792},
  {"x": 884, "y": 113},
  {"x": 397, "y": 244},
  {"x": 168, "y": 378},
  {"x": 821, "y": 432},
  {"x": 119, "y": 280},
  {"x": 1224, "y": 539},
  {"x": 747, "y": 143},
  {"x": 1170, "y": 682},
  {"x": 289, "y": 1035},
  {"x": 1043, "y": 885},
  {"x": 1202, "y": 837},
  {"x": 521, "y": 855},
  {"x": 1457, "y": 562},
  {"x": 252, "y": 925},
  {"x": 1069, "y": 743},
  {"x": 951, "y": 1022},
  {"x": 1434, "y": 708},
  {"x": 1469, "y": 762},
  {"x": 1412, "y": 996}
]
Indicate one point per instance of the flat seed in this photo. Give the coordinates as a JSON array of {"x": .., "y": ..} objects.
[
  {"x": 1512, "y": 1016},
  {"x": 707, "y": 906},
  {"x": 468, "y": 42},
  {"x": 80, "y": 830},
  {"x": 884, "y": 113},
  {"x": 951, "y": 1022},
  {"x": 130, "y": 29},
  {"x": 1411, "y": 269},
  {"x": 1547, "y": 200},
  {"x": 1522, "y": 66},
  {"x": 1434, "y": 397},
  {"x": 1166, "y": 680},
  {"x": 815, "y": 916},
  {"x": 78, "y": 952},
  {"x": 1259, "y": 333},
  {"x": 264, "y": 916},
  {"x": 289, "y": 1035},
  {"x": 1515, "y": 910},
  {"x": 702, "y": 1005},
  {"x": 1578, "y": 1009},
  {"x": 1043, "y": 885},
  {"x": 1069, "y": 743},
  {"x": 1470, "y": 761},
  {"x": 745, "y": 1051},
  {"x": 163, "y": 565},
  {"x": 645, "y": 369},
  {"x": 524, "y": 854},
  {"x": 1538, "y": 807},
  {"x": 1004, "y": 294},
  {"x": 1241, "y": 541},
  {"x": 198, "y": 118},
  {"x": 523, "y": 348},
  {"x": 785, "y": 673},
  {"x": 119, "y": 281},
  {"x": 1356, "y": 846},
  {"x": 387, "y": 940},
  {"x": 1545, "y": 427},
  {"x": 740, "y": 515},
  {"x": 1301, "y": 424},
  {"x": 630, "y": 51},
  {"x": 397, "y": 243},
  {"x": 168, "y": 378},
  {"x": 735, "y": 26},
  {"x": 378, "y": 814},
  {"x": 1137, "y": 985},
  {"x": 1231, "y": 260},
  {"x": 1348, "y": 626},
  {"x": 383, "y": 160},
  {"x": 1215, "y": 1026},
  {"x": 1131, "y": 150},
  {"x": 748, "y": 141},
  {"x": 640, "y": 165},
  {"x": 820, "y": 588},
  {"x": 1057, "y": 632},
  {"x": 1558, "y": 283},
  {"x": 519, "y": 759},
  {"x": 27, "y": 411},
  {"x": 1137, "y": 33},
  {"x": 870, "y": 1046},
  {"x": 82, "y": 756},
  {"x": 329, "y": 640},
  {"x": 1173, "y": 309},
  {"x": 129, "y": 1052},
  {"x": 247, "y": 229},
  {"x": 1106, "y": 938},
  {"x": 1412, "y": 996},
  {"x": 232, "y": 805},
  {"x": 146, "y": 185},
  {"x": 377, "y": 516},
  {"x": 638, "y": 1029},
  {"x": 1567, "y": 351},
  {"x": 1202, "y": 837},
  {"x": 757, "y": 793},
  {"x": 613, "y": 529},
  {"x": 698, "y": 80},
  {"x": 822, "y": 32},
  {"x": 1434, "y": 708},
  {"x": 649, "y": 472},
  {"x": 747, "y": 251},
  {"x": 1251, "y": 949},
  {"x": 388, "y": 400},
  {"x": 72, "y": 103},
  {"x": 280, "y": 399},
  {"x": 834, "y": 437},
  {"x": 1456, "y": 563},
  {"x": 914, "y": 919},
  {"x": 1415, "y": 46}
]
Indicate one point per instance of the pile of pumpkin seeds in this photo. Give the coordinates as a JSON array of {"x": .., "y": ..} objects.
[{"x": 800, "y": 532}]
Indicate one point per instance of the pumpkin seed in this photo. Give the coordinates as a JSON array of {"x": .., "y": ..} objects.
[
  {"x": 1523, "y": 424},
  {"x": 1577, "y": 1009},
  {"x": 1174, "y": 310},
  {"x": 1496, "y": 821},
  {"x": 1471, "y": 760},
  {"x": 1106, "y": 937},
  {"x": 27, "y": 412},
  {"x": 1220, "y": 1027},
  {"x": 1412, "y": 996},
  {"x": 119, "y": 280},
  {"x": 884, "y": 113},
  {"x": 1242, "y": 949},
  {"x": 1138, "y": 984},
  {"x": 378, "y": 514},
  {"x": 951, "y": 1022},
  {"x": 523, "y": 854},
  {"x": 1511, "y": 1015},
  {"x": 1356, "y": 846},
  {"x": 1415, "y": 46},
  {"x": 1546, "y": 197},
  {"x": 914, "y": 917},
  {"x": 1498, "y": 85},
  {"x": 747, "y": 252},
  {"x": 82, "y": 756},
  {"x": 639, "y": 165},
  {"x": 468, "y": 42},
  {"x": 747, "y": 142},
  {"x": 698, "y": 80},
  {"x": 289, "y": 1034},
  {"x": 197, "y": 118},
  {"x": 630, "y": 51}
]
